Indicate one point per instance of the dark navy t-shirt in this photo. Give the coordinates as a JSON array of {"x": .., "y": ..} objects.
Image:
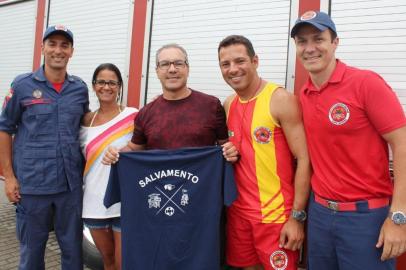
[{"x": 171, "y": 202}]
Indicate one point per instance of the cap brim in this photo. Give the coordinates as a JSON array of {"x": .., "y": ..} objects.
[
  {"x": 297, "y": 26},
  {"x": 59, "y": 32}
]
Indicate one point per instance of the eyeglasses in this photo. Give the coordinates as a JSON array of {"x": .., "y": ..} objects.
[
  {"x": 102, "y": 83},
  {"x": 165, "y": 65}
]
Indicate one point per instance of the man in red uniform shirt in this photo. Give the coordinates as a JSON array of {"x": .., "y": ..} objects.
[{"x": 357, "y": 215}]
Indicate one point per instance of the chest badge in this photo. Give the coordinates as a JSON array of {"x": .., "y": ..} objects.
[
  {"x": 262, "y": 135},
  {"x": 339, "y": 114},
  {"x": 37, "y": 93}
]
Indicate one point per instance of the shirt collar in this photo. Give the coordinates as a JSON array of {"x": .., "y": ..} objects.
[
  {"x": 335, "y": 77},
  {"x": 39, "y": 75}
]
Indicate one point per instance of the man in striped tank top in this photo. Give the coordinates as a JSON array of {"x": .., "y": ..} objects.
[{"x": 265, "y": 223}]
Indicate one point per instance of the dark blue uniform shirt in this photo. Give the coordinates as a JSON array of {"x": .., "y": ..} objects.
[
  {"x": 171, "y": 202},
  {"x": 46, "y": 151}
]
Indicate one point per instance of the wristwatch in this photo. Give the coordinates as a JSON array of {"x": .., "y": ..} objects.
[
  {"x": 398, "y": 217},
  {"x": 299, "y": 215}
]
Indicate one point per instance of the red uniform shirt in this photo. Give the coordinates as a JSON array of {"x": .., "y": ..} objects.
[{"x": 344, "y": 121}]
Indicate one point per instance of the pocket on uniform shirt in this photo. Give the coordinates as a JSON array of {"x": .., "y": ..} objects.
[
  {"x": 43, "y": 126},
  {"x": 71, "y": 116},
  {"x": 39, "y": 167}
]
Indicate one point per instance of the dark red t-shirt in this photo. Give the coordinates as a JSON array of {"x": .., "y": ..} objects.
[{"x": 197, "y": 120}]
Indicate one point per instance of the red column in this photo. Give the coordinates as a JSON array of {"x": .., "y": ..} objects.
[
  {"x": 136, "y": 54},
  {"x": 39, "y": 30},
  {"x": 300, "y": 72}
]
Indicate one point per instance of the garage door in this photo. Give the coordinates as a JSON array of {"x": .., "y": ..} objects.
[
  {"x": 200, "y": 25},
  {"x": 17, "y": 28},
  {"x": 102, "y": 32},
  {"x": 373, "y": 36}
]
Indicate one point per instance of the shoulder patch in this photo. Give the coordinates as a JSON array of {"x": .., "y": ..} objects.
[
  {"x": 8, "y": 97},
  {"x": 19, "y": 78}
]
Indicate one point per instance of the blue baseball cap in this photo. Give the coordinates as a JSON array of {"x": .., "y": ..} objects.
[
  {"x": 319, "y": 19},
  {"x": 58, "y": 29}
]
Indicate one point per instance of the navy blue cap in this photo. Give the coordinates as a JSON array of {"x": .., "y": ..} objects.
[
  {"x": 319, "y": 19},
  {"x": 58, "y": 29}
]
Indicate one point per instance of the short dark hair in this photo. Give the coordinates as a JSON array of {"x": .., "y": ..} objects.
[
  {"x": 332, "y": 34},
  {"x": 113, "y": 68},
  {"x": 235, "y": 40}
]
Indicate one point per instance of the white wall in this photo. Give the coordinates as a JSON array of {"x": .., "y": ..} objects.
[
  {"x": 200, "y": 25},
  {"x": 17, "y": 28},
  {"x": 373, "y": 36},
  {"x": 102, "y": 33}
]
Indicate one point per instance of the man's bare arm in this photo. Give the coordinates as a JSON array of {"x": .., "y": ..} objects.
[
  {"x": 393, "y": 237},
  {"x": 285, "y": 109},
  {"x": 230, "y": 151},
  {"x": 227, "y": 103}
]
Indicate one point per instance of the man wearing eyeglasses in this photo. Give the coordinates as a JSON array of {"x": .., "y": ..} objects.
[
  {"x": 180, "y": 117},
  {"x": 43, "y": 165}
]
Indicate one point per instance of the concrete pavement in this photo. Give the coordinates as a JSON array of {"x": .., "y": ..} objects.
[{"x": 9, "y": 248}]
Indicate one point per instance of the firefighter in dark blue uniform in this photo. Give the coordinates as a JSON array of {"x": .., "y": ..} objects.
[{"x": 43, "y": 164}]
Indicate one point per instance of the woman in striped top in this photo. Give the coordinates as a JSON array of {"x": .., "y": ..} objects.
[{"x": 111, "y": 124}]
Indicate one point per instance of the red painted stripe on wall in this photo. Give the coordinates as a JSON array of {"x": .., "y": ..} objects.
[
  {"x": 39, "y": 29},
  {"x": 136, "y": 54},
  {"x": 300, "y": 73}
]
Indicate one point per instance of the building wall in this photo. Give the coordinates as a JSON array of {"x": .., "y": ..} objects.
[
  {"x": 372, "y": 35},
  {"x": 102, "y": 33},
  {"x": 200, "y": 25},
  {"x": 17, "y": 25}
]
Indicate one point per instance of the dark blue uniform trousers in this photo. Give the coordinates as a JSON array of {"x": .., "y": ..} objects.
[
  {"x": 345, "y": 240},
  {"x": 36, "y": 215}
]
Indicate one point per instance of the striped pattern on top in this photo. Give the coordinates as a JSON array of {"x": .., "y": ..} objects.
[
  {"x": 264, "y": 174},
  {"x": 95, "y": 148}
]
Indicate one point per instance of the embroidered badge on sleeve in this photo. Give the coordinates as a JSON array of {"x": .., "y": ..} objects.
[{"x": 8, "y": 97}]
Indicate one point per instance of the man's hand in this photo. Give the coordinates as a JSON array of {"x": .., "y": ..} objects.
[
  {"x": 110, "y": 156},
  {"x": 12, "y": 189},
  {"x": 292, "y": 235},
  {"x": 393, "y": 239},
  {"x": 230, "y": 152}
]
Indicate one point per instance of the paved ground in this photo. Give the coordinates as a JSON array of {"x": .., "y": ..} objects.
[{"x": 9, "y": 257}]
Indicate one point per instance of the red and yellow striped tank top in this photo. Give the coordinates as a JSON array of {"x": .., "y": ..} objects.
[{"x": 264, "y": 174}]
